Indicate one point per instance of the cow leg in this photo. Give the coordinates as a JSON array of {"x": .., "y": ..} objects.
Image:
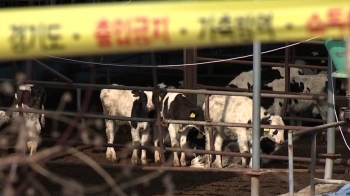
[
  {"x": 183, "y": 144},
  {"x": 42, "y": 117},
  {"x": 111, "y": 129},
  {"x": 32, "y": 146},
  {"x": 174, "y": 143},
  {"x": 218, "y": 140},
  {"x": 135, "y": 135},
  {"x": 156, "y": 142},
  {"x": 34, "y": 127},
  {"x": 243, "y": 148},
  {"x": 144, "y": 140}
]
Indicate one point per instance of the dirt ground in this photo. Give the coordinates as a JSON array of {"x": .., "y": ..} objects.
[
  {"x": 187, "y": 183},
  {"x": 149, "y": 183}
]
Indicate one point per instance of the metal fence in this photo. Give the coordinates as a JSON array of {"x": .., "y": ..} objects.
[{"x": 329, "y": 160}]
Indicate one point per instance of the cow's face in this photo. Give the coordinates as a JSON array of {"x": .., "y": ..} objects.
[
  {"x": 267, "y": 146},
  {"x": 276, "y": 135},
  {"x": 146, "y": 99}
]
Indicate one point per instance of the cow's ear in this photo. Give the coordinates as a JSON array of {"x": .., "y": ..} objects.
[
  {"x": 136, "y": 93},
  {"x": 249, "y": 122}
]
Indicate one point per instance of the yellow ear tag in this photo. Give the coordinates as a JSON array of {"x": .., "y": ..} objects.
[
  {"x": 160, "y": 98},
  {"x": 192, "y": 115},
  {"x": 266, "y": 130},
  {"x": 200, "y": 136}
]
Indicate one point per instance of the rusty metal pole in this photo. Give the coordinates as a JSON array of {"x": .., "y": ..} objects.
[
  {"x": 190, "y": 72},
  {"x": 286, "y": 79},
  {"x": 158, "y": 121},
  {"x": 313, "y": 164}
]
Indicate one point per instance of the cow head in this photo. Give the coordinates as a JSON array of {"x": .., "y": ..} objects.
[
  {"x": 37, "y": 97},
  {"x": 197, "y": 114},
  {"x": 267, "y": 146},
  {"x": 276, "y": 135},
  {"x": 195, "y": 139},
  {"x": 145, "y": 97}
]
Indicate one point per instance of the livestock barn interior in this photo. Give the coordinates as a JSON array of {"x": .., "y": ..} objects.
[{"x": 76, "y": 169}]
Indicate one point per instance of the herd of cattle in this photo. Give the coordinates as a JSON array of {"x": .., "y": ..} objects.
[{"x": 175, "y": 106}]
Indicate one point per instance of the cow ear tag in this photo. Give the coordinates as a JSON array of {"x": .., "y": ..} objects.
[
  {"x": 199, "y": 136},
  {"x": 159, "y": 98},
  {"x": 266, "y": 129},
  {"x": 192, "y": 115}
]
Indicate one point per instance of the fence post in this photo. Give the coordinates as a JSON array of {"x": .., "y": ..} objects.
[
  {"x": 290, "y": 163},
  {"x": 313, "y": 164},
  {"x": 190, "y": 73},
  {"x": 330, "y": 119},
  {"x": 256, "y": 118},
  {"x": 286, "y": 79},
  {"x": 158, "y": 120}
]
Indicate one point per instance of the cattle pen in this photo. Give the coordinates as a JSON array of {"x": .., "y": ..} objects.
[{"x": 189, "y": 69}]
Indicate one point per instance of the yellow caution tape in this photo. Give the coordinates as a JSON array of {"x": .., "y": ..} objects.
[{"x": 113, "y": 28}]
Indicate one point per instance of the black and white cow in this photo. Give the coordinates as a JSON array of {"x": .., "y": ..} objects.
[
  {"x": 30, "y": 96},
  {"x": 237, "y": 109},
  {"x": 312, "y": 84},
  {"x": 268, "y": 74},
  {"x": 128, "y": 103},
  {"x": 175, "y": 106}
]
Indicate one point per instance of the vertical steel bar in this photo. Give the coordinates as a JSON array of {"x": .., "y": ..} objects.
[
  {"x": 158, "y": 122},
  {"x": 290, "y": 163},
  {"x": 347, "y": 42},
  {"x": 330, "y": 119},
  {"x": 256, "y": 117},
  {"x": 190, "y": 72},
  {"x": 313, "y": 164},
  {"x": 286, "y": 78},
  {"x": 211, "y": 134}
]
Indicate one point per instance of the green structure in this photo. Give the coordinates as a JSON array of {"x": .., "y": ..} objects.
[{"x": 336, "y": 49}]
